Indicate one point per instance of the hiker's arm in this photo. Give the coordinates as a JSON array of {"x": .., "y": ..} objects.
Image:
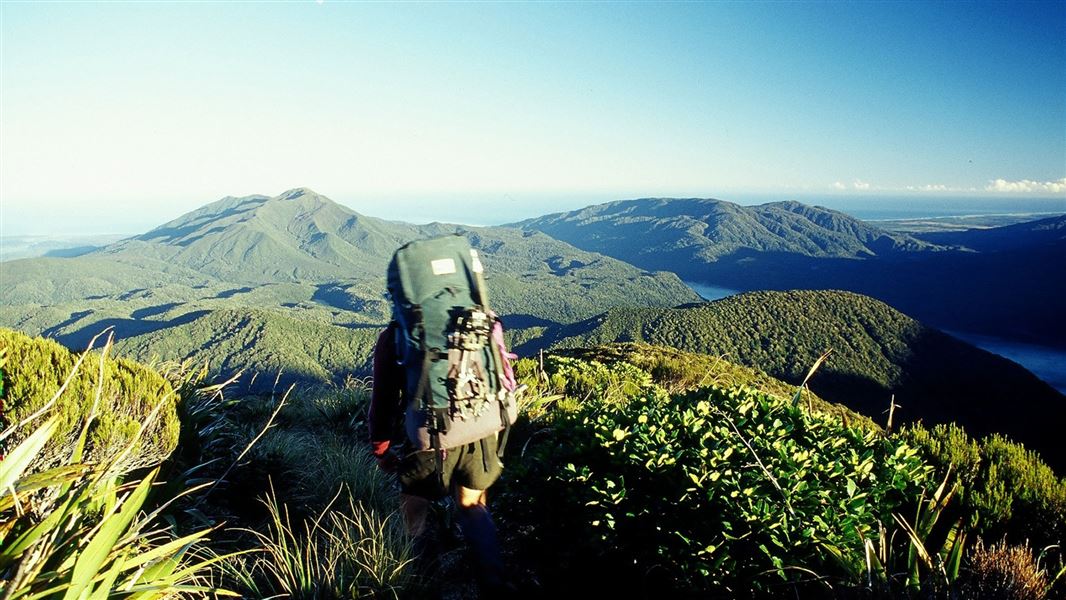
[{"x": 384, "y": 396}]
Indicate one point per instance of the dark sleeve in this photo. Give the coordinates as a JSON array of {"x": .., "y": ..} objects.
[{"x": 386, "y": 405}]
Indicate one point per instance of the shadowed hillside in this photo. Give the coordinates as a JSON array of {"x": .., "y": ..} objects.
[{"x": 1033, "y": 234}]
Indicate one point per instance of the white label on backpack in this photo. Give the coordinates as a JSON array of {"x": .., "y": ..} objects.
[
  {"x": 475, "y": 261},
  {"x": 443, "y": 266}
]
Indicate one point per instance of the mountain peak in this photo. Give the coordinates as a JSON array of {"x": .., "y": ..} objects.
[{"x": 296, "y": 193}]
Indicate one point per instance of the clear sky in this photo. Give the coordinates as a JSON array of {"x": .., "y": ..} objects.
[{"x": 115, "y": 117}]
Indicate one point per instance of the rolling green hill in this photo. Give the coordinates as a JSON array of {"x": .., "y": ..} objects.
[
  {"x": 291, "y": 261},
  {"x": 877, "y": 352}
]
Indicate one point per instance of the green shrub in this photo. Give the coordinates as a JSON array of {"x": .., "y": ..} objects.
[
  {"x": 711, "y": 491},
  {"x": 679, "y": 371},
  {"x": 1007, "y": 489},
  {"x": 128, "y": 392}
]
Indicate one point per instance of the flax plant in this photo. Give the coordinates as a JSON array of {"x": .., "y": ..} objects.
[{"x": 80, "y": 530}]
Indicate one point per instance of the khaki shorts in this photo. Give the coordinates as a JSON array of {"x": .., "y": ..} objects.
[{"x": 468, "y": 465}]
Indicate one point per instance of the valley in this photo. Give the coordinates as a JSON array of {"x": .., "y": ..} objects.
[{"x": 289, "y": 289}]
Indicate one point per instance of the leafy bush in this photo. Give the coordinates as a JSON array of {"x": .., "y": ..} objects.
[
  {"x": 127, "y": 391},
  {"x": 878, "y": 353},
  {"x": 713, "y": 490},
  {"x": 678, "y": 371}
]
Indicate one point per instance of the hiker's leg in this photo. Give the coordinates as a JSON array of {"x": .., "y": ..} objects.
[
  {"x": 480, "y": 532},
  {"x": 420, "y": 486},
  {"x": 415, "y": 509},
  {"x": 468, "y": 498}
]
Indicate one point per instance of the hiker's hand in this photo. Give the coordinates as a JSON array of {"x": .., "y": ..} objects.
[{"x": 388, "y": 461}]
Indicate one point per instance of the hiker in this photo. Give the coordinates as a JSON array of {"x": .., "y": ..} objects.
[{"x": 441, "y": 369}]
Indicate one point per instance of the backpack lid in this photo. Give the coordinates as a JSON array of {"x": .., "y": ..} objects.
[{"x": 422, "y": 268}]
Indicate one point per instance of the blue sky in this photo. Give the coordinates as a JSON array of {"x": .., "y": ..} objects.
[{"x": 118, "y": 116}]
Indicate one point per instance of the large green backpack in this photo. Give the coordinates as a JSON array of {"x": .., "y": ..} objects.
[{"x": 458, "y": 385}]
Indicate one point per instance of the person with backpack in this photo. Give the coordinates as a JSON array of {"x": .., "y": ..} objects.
[{"x": 442, "y": 376}]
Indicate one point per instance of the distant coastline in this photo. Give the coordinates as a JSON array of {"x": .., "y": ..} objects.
[
  {"x": 895, "y": 208},
  {"x": 1020, "y": 215}
]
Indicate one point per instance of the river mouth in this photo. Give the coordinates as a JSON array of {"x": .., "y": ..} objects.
[
  {"x": 710, "y": 292},
  {"x": 1047, "y": 363}
]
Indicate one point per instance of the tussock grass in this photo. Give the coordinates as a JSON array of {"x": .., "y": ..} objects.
[
  {"x": 345, "y": 551},
  {"x": 325, "y": 524},
  {"x": 1001, "y": 571},
  {"x": 354, "y": 468}
]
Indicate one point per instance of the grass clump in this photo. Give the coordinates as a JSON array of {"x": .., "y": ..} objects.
[
  {"x": 312, "y": 509},
  {"x": 1004, "y": 572},
  {"x": 351, "y": 552}
]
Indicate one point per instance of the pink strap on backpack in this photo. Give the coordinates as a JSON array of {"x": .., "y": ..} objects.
[{"x": 506, "y": 357}]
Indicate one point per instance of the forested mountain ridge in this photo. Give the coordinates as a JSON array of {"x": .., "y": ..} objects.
[
  {"x": 303, "y": 236},
  {"x": 1006, "y": 282},
  {"x": 878, "y": 353},
  {"x": 297, "y": 235},
  {"x": 682, "y": 234}
]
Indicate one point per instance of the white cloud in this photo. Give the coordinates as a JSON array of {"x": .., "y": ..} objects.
[
  {"x": 1026, "y": 185},
  {"x": 856, "y": 184},
  {"x": 938, "y": 187}
]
